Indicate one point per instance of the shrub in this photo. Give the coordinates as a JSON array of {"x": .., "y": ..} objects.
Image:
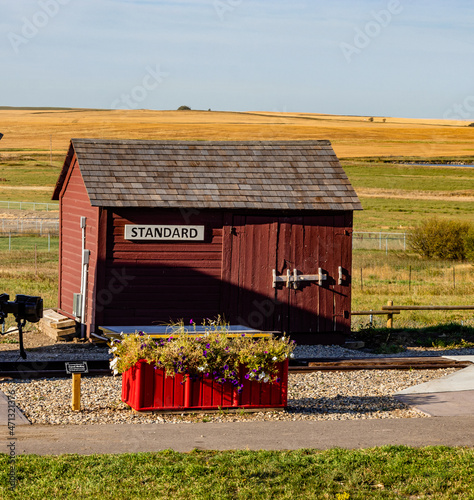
[
  {"x": 440, "y": 238},
  {"x": 184, "y": 108},
  {"x": 469, "y": 244}
]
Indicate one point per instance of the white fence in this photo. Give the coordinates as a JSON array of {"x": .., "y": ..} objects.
[
  {"x": 30, "y": 226},
  {"x": 379, "y": 241},
  {"x": 29, "y": 205}
]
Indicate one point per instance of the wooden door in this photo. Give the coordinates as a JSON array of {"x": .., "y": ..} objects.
[{"x": 260, "y": 245}]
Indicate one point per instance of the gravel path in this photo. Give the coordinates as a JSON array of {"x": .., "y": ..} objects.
[{"x": 363, "y": 394}]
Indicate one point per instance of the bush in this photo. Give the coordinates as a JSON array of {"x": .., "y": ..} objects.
[
  {"x": 440, "y": 238},
  {"x": 184, "y": 108},
  {"x": 469, "y": 244}
]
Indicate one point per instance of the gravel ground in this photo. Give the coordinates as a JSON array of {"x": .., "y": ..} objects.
[
  {"x": 314, "y": 396},
  {"x": 40, "y": 347}
]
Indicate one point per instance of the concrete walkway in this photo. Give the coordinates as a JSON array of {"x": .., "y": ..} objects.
[
  {"x": 452, "y": 395},
  {"x": 133, "y": 438}
]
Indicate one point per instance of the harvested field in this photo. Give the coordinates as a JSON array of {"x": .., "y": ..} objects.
[{"x": 351, "y": 136}]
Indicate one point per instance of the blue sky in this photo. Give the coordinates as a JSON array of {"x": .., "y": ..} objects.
[{"x": 406, "y": 58}]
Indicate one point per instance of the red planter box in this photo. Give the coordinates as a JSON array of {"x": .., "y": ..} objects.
[{"x": 146, "y": 388}]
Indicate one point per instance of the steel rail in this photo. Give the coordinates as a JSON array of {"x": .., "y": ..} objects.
[{"x": 50, "y": 369}]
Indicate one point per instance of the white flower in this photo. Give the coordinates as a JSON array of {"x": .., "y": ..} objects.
[
  {"x": 265, "y": 379},
  {"x": 262, "y": 375},
  {"x": 201, "y": 368},
  {"x": 115, "y": 372},
  {"x": 112, "y": 350},
  {"x": 274, "y": 358},
  {"x": 292, "y": 355},
  {"x": 251, "y": 374},
  {"x": 283, "y": 339},
  {"x": 113, "y": 363}
]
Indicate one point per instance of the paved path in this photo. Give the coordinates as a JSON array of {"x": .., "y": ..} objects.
[{"x": 350, "y": 434}]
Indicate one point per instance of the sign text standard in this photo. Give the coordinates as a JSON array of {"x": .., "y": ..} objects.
[{"x": 164, "y": 233}]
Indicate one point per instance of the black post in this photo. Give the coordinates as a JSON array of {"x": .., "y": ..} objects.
[{"x": 20, "y": 325}]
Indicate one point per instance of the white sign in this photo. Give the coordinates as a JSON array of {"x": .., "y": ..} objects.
[{"x": 164, "y": 233}]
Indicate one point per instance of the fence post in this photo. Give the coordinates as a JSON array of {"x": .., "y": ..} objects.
[{"x": 390, "y": 315}]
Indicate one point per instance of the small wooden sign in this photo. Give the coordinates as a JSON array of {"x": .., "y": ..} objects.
[
  {"x": 77, "y": 367},
  {"x": 164, "y": 233}
]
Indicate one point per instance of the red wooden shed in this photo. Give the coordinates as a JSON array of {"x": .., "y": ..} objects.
[{"x": 259, "y": 232}]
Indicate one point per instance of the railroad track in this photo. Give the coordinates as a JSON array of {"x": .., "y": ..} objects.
[{"x": 40, "y": 369}]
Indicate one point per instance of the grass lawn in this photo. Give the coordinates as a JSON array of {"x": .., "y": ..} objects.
[{"x": 386, "y": 472}]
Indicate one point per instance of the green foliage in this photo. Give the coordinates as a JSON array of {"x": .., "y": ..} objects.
[
  {"x": 439, "y": 238},
  {"x": 469, "y": 244},
  {"x": 184, "y": 108},
  {"x": 212, "y": 353}
]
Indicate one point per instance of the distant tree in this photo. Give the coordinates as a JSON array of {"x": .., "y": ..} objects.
[
  {"x": 471, "y": 125},
  {"x": 371, "y": 119},
  {"x": 184, "y": 108},
  {"x": 384, "y": 120}
]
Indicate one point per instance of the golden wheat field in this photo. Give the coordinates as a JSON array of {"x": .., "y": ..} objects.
[{"x": 351, "y": 136}]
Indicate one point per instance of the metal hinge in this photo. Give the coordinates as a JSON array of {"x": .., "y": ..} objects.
[{"x": 294, "y": 280}]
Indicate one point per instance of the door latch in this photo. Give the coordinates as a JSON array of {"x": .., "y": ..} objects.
[{"x": 294, "y": 280}]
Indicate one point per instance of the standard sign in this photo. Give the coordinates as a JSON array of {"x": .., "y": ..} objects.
[
  {"x": 77, "y": 367},
  {"x": 164, "y": 233}
]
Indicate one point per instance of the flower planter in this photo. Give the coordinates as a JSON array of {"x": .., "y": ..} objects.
[{"x": 146, "y": 388}]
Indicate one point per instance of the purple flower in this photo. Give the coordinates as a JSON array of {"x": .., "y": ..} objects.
[
  {"x": 191, "y": 321},
  {"x": 204, "y": 353},
  {"x": 243, "y": 335},
  {"x": 208, "y": 346},
  {"x": 226, "y": 367},
  {"x": 278, "y": 380},
  {"x": 247, "y": 376}
]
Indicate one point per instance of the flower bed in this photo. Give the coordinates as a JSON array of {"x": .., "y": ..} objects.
[
  {"x": 145, "y": 387},
  {"x": 208, "y": 370}
]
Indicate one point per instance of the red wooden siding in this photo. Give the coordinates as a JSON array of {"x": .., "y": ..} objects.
[
  {"x": 74, "y": 204},
  {"x": 229, "y": 273},
  {"x": 159, "y": 282}
]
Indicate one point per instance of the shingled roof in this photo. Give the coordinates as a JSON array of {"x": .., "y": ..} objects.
[{"x": 284, "y": 175}]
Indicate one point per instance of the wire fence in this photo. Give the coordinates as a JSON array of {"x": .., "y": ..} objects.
[
  {"x": 29, "y": 226},
  {"x": 47, "y": 242},
  {"x": 379, "y": 241},
  {"x": 30, "y": 205}
]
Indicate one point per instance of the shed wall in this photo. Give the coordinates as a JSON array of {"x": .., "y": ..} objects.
[
  {"x": 230, "y": 272},
  {"x": 73, "y": 204}
]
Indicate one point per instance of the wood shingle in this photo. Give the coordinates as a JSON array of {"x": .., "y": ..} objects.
[{"x": 287, "y": 175}]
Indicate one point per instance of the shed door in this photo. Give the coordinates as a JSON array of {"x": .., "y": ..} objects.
[{"x": 261, "y": 244}]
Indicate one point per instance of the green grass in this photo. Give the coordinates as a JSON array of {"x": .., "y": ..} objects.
[
  {"x": 400, "y": 214},
  {"x": 431, "y": 282},
  {"x": 409, "y": 177},
  {"x": 390, "y": 472},
  {"x": 28, "y": 170}
]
